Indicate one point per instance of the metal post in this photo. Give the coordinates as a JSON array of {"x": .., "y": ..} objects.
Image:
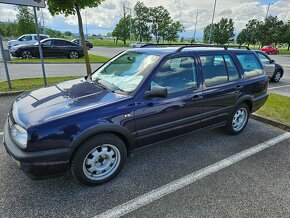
[
  {"x": 195, "y": 26},
  {"x": 42, "y": 17},
  {"x": 210, "y": 33},
  {"x": 268, "y": 10},
  {"x": 39, "y": 46},
  {"x": 130, "y": 28},
  {"x": 5, "y": 63}
]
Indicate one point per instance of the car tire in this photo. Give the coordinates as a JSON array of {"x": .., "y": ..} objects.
[
  {"x": 238, "y": 119},
  {"x": 99, "y": 159},
  {"x": 73, "y": 55},
  {"x": 277, "y": 76},
  {"x": 26, "y": 54}
]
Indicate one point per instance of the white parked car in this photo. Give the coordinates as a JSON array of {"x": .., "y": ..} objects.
[
  {"x": 139, "y": 44},
  {"x": 27, "y": 39}
]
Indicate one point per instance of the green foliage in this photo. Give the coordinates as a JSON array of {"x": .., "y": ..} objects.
[
  {"x": 122, "y": 30},
  {"x": 221, "y": 33},
  {"x": 68, "y": 33},
  {"x": 53, "y": 33},
  {"x": 141, "y": 26},
  {"x": 25, "y": 21},
  {"x": 243, "y": 37},
  {"x": 7, "y": 29},
  {"x": 69, "y": 7},
  {"x": 148, "y": 21}
]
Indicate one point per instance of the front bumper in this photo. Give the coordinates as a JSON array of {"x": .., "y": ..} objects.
[{"x": 38, "y": 164}]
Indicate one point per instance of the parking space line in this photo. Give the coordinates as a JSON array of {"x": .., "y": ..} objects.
[
  {"x": 1, "y": 133},
  {"x": 278, "y": 87},
  {"x": 171, "y": 187}
]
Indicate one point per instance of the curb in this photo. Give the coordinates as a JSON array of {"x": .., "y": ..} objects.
[
  {"x": 12, "y": 93},
  {"x": 266, "y": 120}
]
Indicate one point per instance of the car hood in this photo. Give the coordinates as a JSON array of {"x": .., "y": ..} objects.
[
  {"x": 60, "y": 100},
  {"x": 11, "y": 41}
]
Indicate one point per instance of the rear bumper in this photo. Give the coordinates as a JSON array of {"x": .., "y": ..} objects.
[
  {"x": 38, "y": 164},
  {"x": 258, "y": 102}
]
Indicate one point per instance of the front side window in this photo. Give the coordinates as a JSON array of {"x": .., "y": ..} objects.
[
  {"x": 176, "y": 74},
  {"x": 25, "y": 38},
  {"x": 214, "y": 70},
  {"x": 250, "y": 65},
  {"x": 126, "y": 71}
]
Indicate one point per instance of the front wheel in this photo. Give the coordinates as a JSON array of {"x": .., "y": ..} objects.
[
  {"x": 99, "y": 159},
  {"x": 26, "y": 54},
  {"x": 238, "y": 119}
]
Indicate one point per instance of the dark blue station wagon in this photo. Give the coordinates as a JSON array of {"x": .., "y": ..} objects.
[{"x": 90, "y": 125}]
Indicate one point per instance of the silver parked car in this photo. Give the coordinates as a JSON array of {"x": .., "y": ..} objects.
[{"x": 274, "y": 71}]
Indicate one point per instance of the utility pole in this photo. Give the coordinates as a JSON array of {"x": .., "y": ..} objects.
[
  {"x": 196, "y": 24},
  {"x": 130, "y": 27},
  {"x": 268, "y": 10},
  {"x": 210, "y": 33}
]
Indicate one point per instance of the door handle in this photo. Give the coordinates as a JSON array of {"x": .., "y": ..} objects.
[
  {"x": 196, "y": 97},
  {"x": 239, "y": 87}
]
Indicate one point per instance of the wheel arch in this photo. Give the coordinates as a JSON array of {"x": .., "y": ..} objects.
[
  {"x": 123, "y": 133},
  {"x": 246, "y": 99}
]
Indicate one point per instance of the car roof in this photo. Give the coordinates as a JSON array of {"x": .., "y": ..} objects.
[{"x": 194, "y": 50}]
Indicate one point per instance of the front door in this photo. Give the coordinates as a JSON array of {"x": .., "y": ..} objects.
[
  {"x": 161, "y": 118},
  {"x": 267, "y": 64}
]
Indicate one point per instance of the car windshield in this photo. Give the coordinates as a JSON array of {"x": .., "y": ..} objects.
[{"x": 125, "y": 72}]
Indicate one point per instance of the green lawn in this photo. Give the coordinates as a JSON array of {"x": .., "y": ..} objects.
[
  {"x": 109, "y": 43},
  {"x": 93, "y": 58},
  {"x": 277, "y": 108},
  {"x": 32, "y": 83}
]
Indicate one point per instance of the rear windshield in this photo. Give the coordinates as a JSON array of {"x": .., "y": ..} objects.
[{"x": 250, "y": 64}]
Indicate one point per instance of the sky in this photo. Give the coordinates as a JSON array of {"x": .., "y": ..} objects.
[{"x": 103, "y": 19}]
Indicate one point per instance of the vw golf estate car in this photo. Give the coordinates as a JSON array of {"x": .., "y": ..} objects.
[{"x": 90, "y": 125}]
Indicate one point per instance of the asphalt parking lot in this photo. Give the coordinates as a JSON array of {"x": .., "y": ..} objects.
[{"x": 163, "y": 181}]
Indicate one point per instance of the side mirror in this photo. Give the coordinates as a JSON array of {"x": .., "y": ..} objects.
[
  {"x": 271, "y": 61},
  {"x": 156, "y": 92}
]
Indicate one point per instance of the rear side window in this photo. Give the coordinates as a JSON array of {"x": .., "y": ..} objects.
[
  {"x": 250, "y": 65},
  {"x": 218, "y": 69}
]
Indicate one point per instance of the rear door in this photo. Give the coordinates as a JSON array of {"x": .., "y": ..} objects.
[{"x": 221, "y": 87}]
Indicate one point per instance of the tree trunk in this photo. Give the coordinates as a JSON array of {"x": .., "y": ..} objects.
[
  {"x": 82, "y": 38},
  {"x": 288, "y": 46}
]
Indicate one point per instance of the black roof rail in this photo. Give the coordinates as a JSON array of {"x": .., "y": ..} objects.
[
  {"x": 160, "y": 45},
  {"x": 183, "y": 46},
  {"x": 238, "y": 46},
  {"x": 201, "y": 45}
]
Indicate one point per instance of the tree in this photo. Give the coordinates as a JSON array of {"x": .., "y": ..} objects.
[
  {"x": 222, "y": 32},
  {"x": 243, "y": 37},
  {"x": 172, "y": 32},
  {"x": 141, "y": 26},
  {"x": 68, "y": 33},
  {"x": 206, "y": 33},
  {"x": 74, "y": 7},
  {"x": 286, "y": 35},
  {"x": 25, "y": 21},
  {"x": 160, "y": 20},
  {"x": 122, "y": 30},
  {"x": 271, "y": 31},
  {"x": 253, "y": 31}
]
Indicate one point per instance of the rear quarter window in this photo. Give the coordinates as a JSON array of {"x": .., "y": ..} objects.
[{"x": 250, "y": 64}]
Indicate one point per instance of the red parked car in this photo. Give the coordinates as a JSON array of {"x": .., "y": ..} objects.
[{"x": 269, "y": 49}]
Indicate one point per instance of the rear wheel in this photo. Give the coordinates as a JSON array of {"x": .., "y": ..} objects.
[
  {"x": 277, "y": 76},
  {"x": 99, "y": 159},
  {"x": 238, "y": 119},
  {"x": 26, "y": 54},
  {"x": 73, "y": 55}
]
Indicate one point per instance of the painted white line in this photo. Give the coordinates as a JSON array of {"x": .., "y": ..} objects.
[
  {"x": 162, "y": 191},
  {"x": 1, "y": 133},
  {"x": 278, "y": 87}
]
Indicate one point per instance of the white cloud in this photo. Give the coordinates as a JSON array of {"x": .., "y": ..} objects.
[{"x": 109, "y": 12}]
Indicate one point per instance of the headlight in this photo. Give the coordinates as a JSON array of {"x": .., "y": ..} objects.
[
  {"x": 19, "y": 135},
  {"x": 13, "y": 49}
]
